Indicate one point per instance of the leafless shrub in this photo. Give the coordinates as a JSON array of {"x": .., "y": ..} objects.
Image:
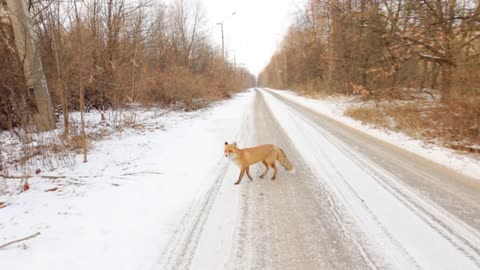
[{"x": 106, "y": 55}]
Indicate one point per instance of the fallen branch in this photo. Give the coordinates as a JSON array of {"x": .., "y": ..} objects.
[
  {"x": 14, "y": 177},
  {"x": 20, "y": 240},
  {"x": 136, "y": 173},
  {"x": 52, "y": 177},
  {"x": 75, "y": 181},
  {"x": 52, "y": 189},
  {"x": 28, "y": 176},
  {"x": 67, "y": 178},
  {"x": 430, "y": 93}
]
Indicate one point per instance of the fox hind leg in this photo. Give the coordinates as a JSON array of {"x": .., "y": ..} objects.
[
  {"x": 274, "y": 170},
  {"x": 266, "y": 169}
]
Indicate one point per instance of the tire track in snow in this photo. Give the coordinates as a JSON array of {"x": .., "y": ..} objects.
[
  {"x": 182, "y": 247},
  {"x": 411, "y": 202},
  {"x": 462, "y": 236},
  {"x": 456, "y": 193},
  {"x": 332, "y": 206},
  {"x": 298, "y": 206}
]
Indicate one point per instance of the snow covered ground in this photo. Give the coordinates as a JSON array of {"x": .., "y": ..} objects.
[
  {"x": 335, "y": 107},
  {"x": 119, "y": 210},
  {"x": 161, "y": 196}
]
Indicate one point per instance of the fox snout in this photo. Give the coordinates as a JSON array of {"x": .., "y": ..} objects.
[{"x": 230, "y": 150}]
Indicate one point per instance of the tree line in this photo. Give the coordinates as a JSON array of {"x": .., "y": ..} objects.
[
  {"x": 109, "y": 53},
  {"x": 380, "y": 47}
]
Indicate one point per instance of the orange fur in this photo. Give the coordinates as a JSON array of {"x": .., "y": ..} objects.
[{"x": 267, "y": 154}]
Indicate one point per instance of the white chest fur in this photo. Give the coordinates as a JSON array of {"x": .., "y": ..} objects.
[{"x": 234, "y": 159}]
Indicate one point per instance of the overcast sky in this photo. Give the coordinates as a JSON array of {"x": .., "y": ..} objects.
[{"x": 255, "y": 31}]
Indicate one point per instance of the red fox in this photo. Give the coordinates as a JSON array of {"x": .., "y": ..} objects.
[{"x": 267, "y": 154}]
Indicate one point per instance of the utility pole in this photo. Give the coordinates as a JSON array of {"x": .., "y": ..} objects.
[{"x": 223, "y": 44}]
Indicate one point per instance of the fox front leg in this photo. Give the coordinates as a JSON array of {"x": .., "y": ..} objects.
[
  {"x": 242, "y": 172},
  {"x": 248, "y": 174}
]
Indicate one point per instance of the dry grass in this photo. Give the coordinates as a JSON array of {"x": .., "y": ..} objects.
[
  {"x": 455, "y": 125},
  {"x": 185, "y": 90},
  {"x": 369, "y": 114}
]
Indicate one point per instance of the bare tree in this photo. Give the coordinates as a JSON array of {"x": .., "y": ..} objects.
[
  {"x": 441, "y": 33},
  {"x": 32, "y": 64}
]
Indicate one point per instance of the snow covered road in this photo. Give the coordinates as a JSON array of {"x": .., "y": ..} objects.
[
  {"x": 355, "y": 203},
  {"x": 165, "y": 199}
]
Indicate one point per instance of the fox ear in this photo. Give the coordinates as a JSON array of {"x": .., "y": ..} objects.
[
  {"x": 226, "y": 143},
  {"x": 234, "y": 144}
]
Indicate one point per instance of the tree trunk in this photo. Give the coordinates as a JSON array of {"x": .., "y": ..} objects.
[
  {"x": 81, "y": 67},
  {"x": 447, "y": 74},
  {"x": 424, "y": 75},
  {"x": 435, "y": 71},
  {"x": 32, "y": 64}
]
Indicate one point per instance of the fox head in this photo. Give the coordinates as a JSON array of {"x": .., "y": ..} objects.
[{"x": 230, "y": 150}]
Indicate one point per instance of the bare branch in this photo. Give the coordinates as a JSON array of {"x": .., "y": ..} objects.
[{"x": 20, "y": 240}]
